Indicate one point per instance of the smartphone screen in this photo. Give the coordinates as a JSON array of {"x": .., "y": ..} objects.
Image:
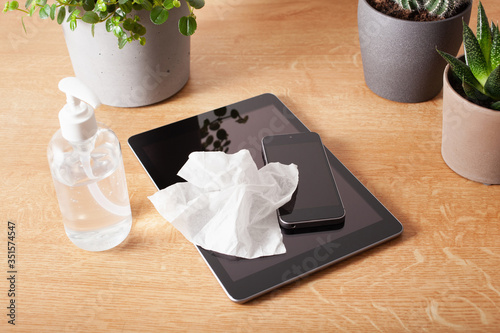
[{"x": 316, "y": 202}]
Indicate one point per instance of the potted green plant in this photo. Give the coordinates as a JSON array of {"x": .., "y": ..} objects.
[
  {"x": 471, "y": 104},
  {"x": 154, "y": 37},
  {"x": 398, "y": 40}
]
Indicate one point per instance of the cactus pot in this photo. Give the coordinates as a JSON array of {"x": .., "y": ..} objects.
[
  {"x": 471, "y": 137},
  {"x": 400, "y": 61},
  {"x": 135, "y": 75}
]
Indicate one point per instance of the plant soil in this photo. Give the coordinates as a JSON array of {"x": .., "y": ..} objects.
[{"x": 389, "y": 7}]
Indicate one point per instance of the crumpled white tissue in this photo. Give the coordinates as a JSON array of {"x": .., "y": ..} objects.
[{"x": 228, "y": 205}]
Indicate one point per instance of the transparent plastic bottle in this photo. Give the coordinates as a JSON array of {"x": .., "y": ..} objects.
[{"x": 87, "y": 168}]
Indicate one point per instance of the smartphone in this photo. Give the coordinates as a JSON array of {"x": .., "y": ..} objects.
[{"x": 316, "y": 202}]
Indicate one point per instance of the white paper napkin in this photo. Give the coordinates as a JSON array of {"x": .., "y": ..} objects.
[{"x": 227, "y": 205}]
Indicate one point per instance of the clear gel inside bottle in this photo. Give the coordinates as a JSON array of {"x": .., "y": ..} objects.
[{"x": 90, "y": 183}]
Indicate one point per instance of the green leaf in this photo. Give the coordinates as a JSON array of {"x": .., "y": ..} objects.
[
  {"x": 415, "y": 4},
  {"x": 53, "y": 9},
  {"x": 41, "y": 3},
  {"x": 483, "y": 33},
  {"x": 109, "y": 25},
  {"x": 196, "y": 4},
  {"x": 461, "y": 70},
  {"x": 61, "y": 14},
  {"x": 126, "y": 7},
  {"x": 139, "y": 29},
  {"x": 103, "y": 8},
  {"x": 128, "y": 24},
  {"x": 90, "y": 17},
  {"x": 158, "y": 15},
  {"x": 147, "y": 5},
  {"x": 122, "y": 42},
  {"x": 74, "y": 13},
  {"x": 88, "y": 5},
  {"x": 119, "y": 13},
  {"x": 495, "y": 47},
  {"x": 13, "y": 5},
  {"x": 121, "y": 2},
  {"x": 495, "y": 106},
  {"x": 118, "y": 32},
  {"x": 437, "y": 7},
  {"x": 473, "y": 93},
  {"x": 44, "y": 11},
  {"x": 31, "y": 11},
  {"x": 168, "y": 4},
  {"x": 187, "y": 25},
  {"x": 492, "y": 86},
  {"x": 72, "y": 25},
  {"x": 142, "y": 41},
  {"x": 28, "y": 4},
  {"x": 474, "y": 55},
  {"x": 136, "y": 28},
  {"x": 102, "y": 15}
]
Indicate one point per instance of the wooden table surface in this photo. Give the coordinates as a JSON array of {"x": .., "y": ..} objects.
[{"x": 441, "y": 275}]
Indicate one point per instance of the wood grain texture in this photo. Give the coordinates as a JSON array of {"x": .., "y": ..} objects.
[{"x": 441, "y": 275}]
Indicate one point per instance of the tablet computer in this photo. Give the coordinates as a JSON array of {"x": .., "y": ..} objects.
[{"x": 163, "y": 151}]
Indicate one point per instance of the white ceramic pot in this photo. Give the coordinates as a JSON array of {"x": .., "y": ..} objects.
[
  {"x": 135, "y": 75},
  {"x": 471, "y": 137}
]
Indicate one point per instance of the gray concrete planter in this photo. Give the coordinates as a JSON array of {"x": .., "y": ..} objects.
[
  {"x": 399, "y": 57},
  {"x": 135, "y": 75},
  {"x": 471, "y": 137}
]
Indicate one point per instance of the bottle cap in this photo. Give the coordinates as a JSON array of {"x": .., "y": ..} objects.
[{"x": 77, "y": 117}]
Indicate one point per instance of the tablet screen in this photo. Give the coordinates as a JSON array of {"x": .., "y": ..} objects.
[
  {"x": 164, "y": 150},
  {"x": 360, "y": 216}
]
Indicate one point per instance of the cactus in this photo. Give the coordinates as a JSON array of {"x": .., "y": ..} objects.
[
  {"x": 441, "y": 8},
  {"x": 480, "y": 77}
]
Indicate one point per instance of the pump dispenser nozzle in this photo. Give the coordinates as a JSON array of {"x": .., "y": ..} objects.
[
  {"x": 78, "y": 124},
  {"x": 77, "y": 117},
  {"x": 89, "y": 177}
]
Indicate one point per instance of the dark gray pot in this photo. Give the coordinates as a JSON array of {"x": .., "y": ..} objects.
[{"x": 399, "y": 57}]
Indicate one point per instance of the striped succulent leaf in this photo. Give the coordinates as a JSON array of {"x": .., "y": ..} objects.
[
  {"x": 441, "y": 8},
  {"x": 495, "y": 47},
  {"x": 483, "y": 33},
  {"x": 474, "y": 55}
]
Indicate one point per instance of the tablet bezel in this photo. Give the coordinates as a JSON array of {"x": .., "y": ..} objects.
[{"x": 323, "y": 255}]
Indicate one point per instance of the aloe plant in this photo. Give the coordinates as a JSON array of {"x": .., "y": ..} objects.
[
  {"x": 480, "y": 75},
  {"x": 441, "y": 8}
]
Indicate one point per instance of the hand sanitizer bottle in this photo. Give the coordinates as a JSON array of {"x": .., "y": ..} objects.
[{"x": 87, "y": 168}]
